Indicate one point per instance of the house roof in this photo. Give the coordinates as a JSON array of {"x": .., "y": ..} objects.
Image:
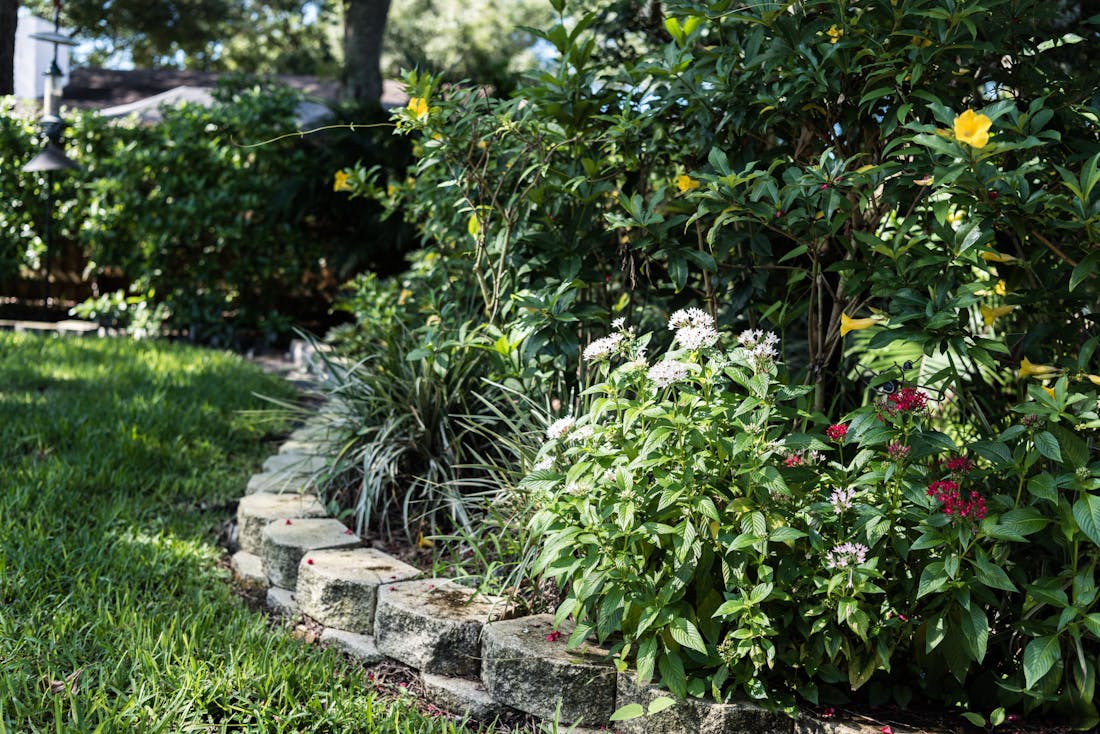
[{"x": 91, "y": 88}]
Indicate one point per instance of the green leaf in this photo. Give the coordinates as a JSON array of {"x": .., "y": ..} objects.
[
  {"x": 932, "y": 579},
  {"x": 991, "y": 574},
  {"x": 975, "y": 626},
  {"x": 659, "y": 704},
  {"x": 1086, "y": 511},
  {"x": 672, "y": 673},
  {"x": 1040, "y": 655},
  {"x": 684, "y": 632},
  {"x": 975, "y": 719},
  {"x": 1047, "y": 445},
  {"x": 628, "y": 712},
  {"x": 647, "y": 658}
]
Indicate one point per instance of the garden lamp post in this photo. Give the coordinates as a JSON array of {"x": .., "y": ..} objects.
[{"x": 52, "y": 158}]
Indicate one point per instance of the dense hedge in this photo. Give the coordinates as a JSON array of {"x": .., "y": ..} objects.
[{"x": 233, "y": 238}]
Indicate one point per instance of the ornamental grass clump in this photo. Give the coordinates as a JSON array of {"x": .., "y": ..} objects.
[{"x": 726, "y": 542}]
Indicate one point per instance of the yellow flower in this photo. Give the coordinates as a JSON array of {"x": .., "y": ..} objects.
[
  {"x": 834, "y": 33},
  {"x": 972, "y": 128},
  {"x": 1042, "y": 371},
  {"x": 418, "y": 106},
  {"x": 341, "y": 182},
  {"x": 991, "y": 314},
  {"x": 847, "y": 323},
  {"x": 997, "y": 257},
  {"x": 1000, "y": 289},
  {"x": 1049, "y": 390},
  {"x": 685, "y": 182},
  {"x": 956, "y": 215},
  {"x": 1094, "y": 379}
]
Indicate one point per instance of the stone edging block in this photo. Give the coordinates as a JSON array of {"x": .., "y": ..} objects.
[
  {"x": 286, "y": 541},
  {"x": 298, "y": 464},
  {"x": 525, "y": 667},
  {"x": 695, "y": 716},
  {"x": 282, "y": 602},
  {"x": 433, "y": 625},
  {"x": 360, "y": 647},
  {"x": 467, "y": 697},
  {"x": 256, "y": 511},
  {"x": 249, "y": 568},
  {"x": 277, "y": 483},
  {"x": 339, "y": 588}
]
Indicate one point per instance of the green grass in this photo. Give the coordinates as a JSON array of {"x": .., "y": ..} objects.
[{"x": 116, "y": 461}]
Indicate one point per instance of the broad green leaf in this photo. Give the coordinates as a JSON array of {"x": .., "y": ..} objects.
[
  {"x": 1047, "y": 445},
  {"x": 1040, "y": 655},
  {"x": 975, "y": 627},
  {"x": 932, "y": 579},
  {"x": 628, "y": 712},
  {"x": 659, "y": 704},
  {"x": 647, "y": 658},
  {"x": 1086, "y": 511},
  {"x": 684, "y": 632},
  {"x": 991, "y": 574}
]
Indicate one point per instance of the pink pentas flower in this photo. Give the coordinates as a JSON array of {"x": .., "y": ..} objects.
[
  {"x": 956, "y": 505},
  {"x": 897, "y": 451},
  {"x": 554, "y": 636},
  {"x": 837, "y": 431}
]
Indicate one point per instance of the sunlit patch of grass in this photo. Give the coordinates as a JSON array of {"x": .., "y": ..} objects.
[{"x": 116, "y": 457}]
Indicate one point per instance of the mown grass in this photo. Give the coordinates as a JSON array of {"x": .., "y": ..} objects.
[{"x": 116, "y": 461}]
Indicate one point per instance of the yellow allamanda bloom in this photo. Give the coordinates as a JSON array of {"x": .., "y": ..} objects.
[
  {"x": 997, "y": 257},
  {"x": 992, "y": 313},
  {"x": 834, "y": 34},
  {"x": 1049, "y": 390},
  {"x": 340, "y": 183},
  {"x": 1094, "y": 379},
  {"x": 685, "y": 182},
  {"x": 972, "y": 128},
  {"x": 847, "y": 323},
  {"x": 418, "y": 106},
  {"x": 1041, "y": 371}
]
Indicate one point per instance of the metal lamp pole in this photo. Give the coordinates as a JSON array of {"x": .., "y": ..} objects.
[{"x": 52, "y": 158}]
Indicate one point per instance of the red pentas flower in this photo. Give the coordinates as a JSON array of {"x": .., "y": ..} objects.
[
  {"x": 955, "y": 504},
  {"x": 906, "y": 400},
  {"x": 959, "y": 464},
  {"x": 554, "y": 636},
  {"x": 837, "y": 431}
]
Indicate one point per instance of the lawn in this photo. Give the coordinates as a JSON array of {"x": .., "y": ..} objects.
[{"x": 119, "y": 461}]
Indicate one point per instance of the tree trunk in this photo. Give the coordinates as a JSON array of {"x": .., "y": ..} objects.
[
  {"x": 364, "y": 23},
  {"x": 9, "y": 17}
]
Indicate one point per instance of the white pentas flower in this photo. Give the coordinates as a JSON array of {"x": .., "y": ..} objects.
[
  {"x": 762, "y": 346},
  {"x": 581, "y": 434},
  {"x": 846, "y": 555},
  {"x": 604, "y": 347},
  {"x": 841, "y": 498},
  {"x": 561, "y": 427},
  {"x": 696, "y": 337},
  {"x": 667, "y": 372},
  {"x": 694, "y": 328},
  {"x": 688, "y": 317},
  {"x": 546, "y": 462}
]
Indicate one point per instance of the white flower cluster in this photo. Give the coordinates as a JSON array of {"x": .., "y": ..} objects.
[
  {"x": 560, "y": 427},
  {"x": 761, "y": 345},
  {"x": 842, "y": 499},
  {"x": 687, "y": 317},
  {"x": 694, "y": 328},
  {"x": 546, "y": 462},
  {"x": 847, "y": 554},
  {"x": 582, "y": 434},
  {"x": 604, "y": 347},
  {"x": 667, "y": 372}
]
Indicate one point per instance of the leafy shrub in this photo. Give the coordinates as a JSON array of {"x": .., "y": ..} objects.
[{"x": 722, "y": 548}]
